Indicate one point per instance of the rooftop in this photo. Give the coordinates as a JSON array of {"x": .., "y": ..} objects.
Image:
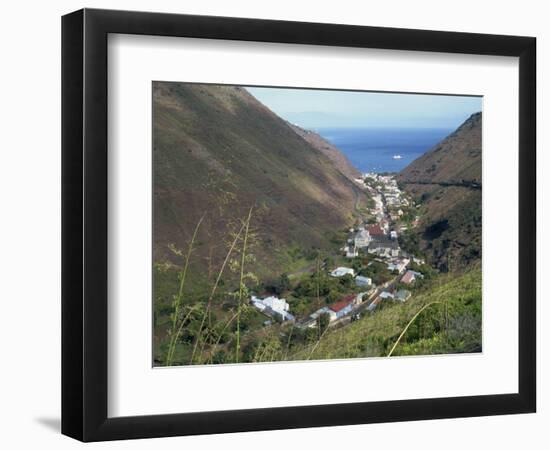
[
  {"x": 341, "y": 304},
  {"x": 384, "y": 244},
  {"x": 362, "y": 278},
  {"x": 408, "y": 277},
  {"x": 375, "y": 230}
]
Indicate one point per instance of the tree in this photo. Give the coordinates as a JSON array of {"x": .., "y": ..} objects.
[
  {"x": 284, "y": 282},
  {"x": 378, "y": 272},
  {"x": 278, "y": 286},
  {"x": 356, "y": 264},
  {"x": 346, "y": 281},
  {"x": 333, "y": 296},
  {"x": 329, "y": 261},
  {"x": 409, "y": 242}
]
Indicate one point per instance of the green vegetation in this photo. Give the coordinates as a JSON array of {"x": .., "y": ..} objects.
[
  {"x": 378, "y": 271},
  {"x": 452, "y": 325},
  {"x": 410, "y": 242},
  {"x": 443, "y": 316}
]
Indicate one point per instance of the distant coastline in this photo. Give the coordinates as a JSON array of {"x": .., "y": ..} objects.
[{"x": 373, "y": 149}]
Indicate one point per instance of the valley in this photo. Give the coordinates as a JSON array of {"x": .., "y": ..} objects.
[{"x": 270, "y": 246}]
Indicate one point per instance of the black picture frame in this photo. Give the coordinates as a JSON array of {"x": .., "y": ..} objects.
[{"x": 84, "y": 224}]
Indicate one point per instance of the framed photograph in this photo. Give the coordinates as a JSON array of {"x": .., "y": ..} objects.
[{"x": 273, "y": 225}]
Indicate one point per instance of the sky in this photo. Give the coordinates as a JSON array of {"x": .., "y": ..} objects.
[{"x": 313, "y": 108}]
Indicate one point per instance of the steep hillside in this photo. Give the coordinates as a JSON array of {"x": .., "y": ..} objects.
[
  {"x": 334, "y": 154},
  {"x": 456, "y": 159},
  {"x": 218, "y": 152},
  {"x": 447, "y": 181}
]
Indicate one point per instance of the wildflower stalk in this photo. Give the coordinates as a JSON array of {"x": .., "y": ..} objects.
[
  {"x": 410, "y": 323},
  {"x": 217, "y": 343},
  {"x": 318, "y": 296},
  {"x": 241, "y": 287},
  {"x": 317, "y": 343},
  {"x": 171, "y": 352},
  {"x": 213, "y": 292},
  {"x": 288, "y": 341},
  {"x": 174, "y": 335}
]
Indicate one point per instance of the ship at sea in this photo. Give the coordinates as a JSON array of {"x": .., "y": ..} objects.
[
  {"x": 372, "y": 149},
  {"x": 396, "y": 156}
]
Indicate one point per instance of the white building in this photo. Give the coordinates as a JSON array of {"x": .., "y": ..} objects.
[
  {"x": 363, "y": 281},
  {"x": 341, "y": 271},
  {"x": 386, "y": 249},
  {"x": 273, "y": 305},
  {"x": 362, "y": 239},
  {"x": 400, "y": 265},
  {"x": 324, "y": 310},
  {"x": 276, "y": 304}
]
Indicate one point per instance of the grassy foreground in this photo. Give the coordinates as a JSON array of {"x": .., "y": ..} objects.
[{"x": 443, "y": 316}]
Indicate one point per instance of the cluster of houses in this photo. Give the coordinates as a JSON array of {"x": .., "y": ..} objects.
[
  {"x": 402, "y": 295},
  {"x": 359, "y": 280},
  {"x": 346, "y": 305},
  {"x": 380, "y": 239},
  {"x": 391, "y": 192},
  {"x": 278, "y": 308},
  {"x": 376, "y": 239},
  {"x": 399, "y": 265},
  {"x": 389, "y": 195}
]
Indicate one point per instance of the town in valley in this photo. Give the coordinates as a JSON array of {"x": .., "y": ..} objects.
[{"x": 373, "y": 241}]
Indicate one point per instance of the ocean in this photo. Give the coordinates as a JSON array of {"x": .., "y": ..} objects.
[{"x": 372, "y": 149}]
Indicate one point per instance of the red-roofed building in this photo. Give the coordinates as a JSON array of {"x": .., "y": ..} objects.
[
  {"x": 343, "y": 306},
  {"x": 375, "y": 230},
  {"x": 410, "y": 276}
]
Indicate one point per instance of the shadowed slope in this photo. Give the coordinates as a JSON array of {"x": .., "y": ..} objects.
[{"x": 447, "y": 180}]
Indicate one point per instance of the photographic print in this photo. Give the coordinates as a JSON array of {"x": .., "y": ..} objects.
[{"x": 308, "y": 224}]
